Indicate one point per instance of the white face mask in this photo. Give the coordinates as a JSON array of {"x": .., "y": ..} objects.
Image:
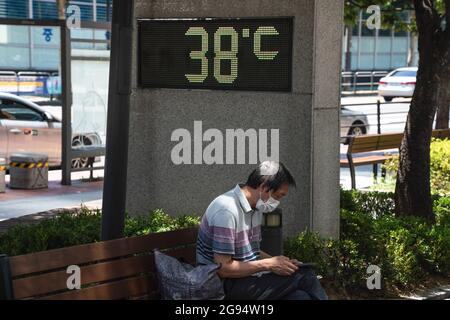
[{"x": 268, "y": 206}]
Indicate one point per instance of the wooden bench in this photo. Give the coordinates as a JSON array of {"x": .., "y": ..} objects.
[
  {"x": 371, "y": 144},
  {"x": 116, "y": 269}
]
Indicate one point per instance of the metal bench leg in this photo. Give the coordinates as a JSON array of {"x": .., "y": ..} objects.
[
  {"x": 383, "y": 172},
  {"x": 351, "y": 166},
  {"x": 375, "y": 171},
  {"x": 91, "y": 175},
  {"x": 352, "y": 174},
  {"x": 6, "y": 288},
  {"x": 91, "y": 166}
]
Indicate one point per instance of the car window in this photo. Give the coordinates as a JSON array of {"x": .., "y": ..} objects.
[
  {"x": 14, "y": 110},
  {"x": 404, "y": 74}
]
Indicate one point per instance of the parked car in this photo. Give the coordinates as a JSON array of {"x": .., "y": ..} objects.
[
  {"x": 353, "y": 123},
  {"x": 26, "y": 127},
  {"x": 399, "y": 83}
]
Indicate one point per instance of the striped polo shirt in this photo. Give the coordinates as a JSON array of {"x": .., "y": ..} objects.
[{"x": 230, "y": 227}]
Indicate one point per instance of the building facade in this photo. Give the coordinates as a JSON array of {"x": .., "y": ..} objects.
[
  {"x": 91, "y": 10},
  {"x": 378, "y": 50},
  {"x": 36, "y": 48}
]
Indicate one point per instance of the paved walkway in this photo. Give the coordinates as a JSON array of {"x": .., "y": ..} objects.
[
  {"x": 440, "y": 293},
  {"x": 16, "y": 203},
  {"x": 364, "y": 174}
]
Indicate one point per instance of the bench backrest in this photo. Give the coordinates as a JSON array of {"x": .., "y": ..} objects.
[
  {"x": 116, "y": 269},
  {"x": 441, "y": 134},
  {"x": 375, "y": 142}
]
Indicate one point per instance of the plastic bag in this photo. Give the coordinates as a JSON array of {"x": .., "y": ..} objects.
[{"x": 181, "y": 281}]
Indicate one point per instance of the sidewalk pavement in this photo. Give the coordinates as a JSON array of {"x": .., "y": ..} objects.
[
  {"x": 16, "y": 203},
  {"x": 440, "y": 293}
]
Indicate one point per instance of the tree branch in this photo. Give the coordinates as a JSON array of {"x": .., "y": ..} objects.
[
  {"x": 427, "y": 17},
  {"x": 364, "y": 6}
]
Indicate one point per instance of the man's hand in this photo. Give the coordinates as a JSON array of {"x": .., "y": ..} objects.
[{"x": 281, "y": 265}]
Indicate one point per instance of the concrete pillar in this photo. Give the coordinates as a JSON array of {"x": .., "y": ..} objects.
[{"x": 307, "y": 119}]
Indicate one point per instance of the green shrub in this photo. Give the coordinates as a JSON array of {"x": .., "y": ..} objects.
[
  {"x": 374, "y": 203},
  {"x": 347, "y": 199},
  {"x": 347, "y": 267},
  {"x": 359, "y": 227},
  {"x": 437, "y": 250},
  {"x": 308, "y": 247},
  {"x": 441, "y": 208},
  {"x": 70, "y": 229},
  {"x": 439, "y": 166},
  {"x": 187, "y": 221},
  {"x": 338, "y": 261},
  {"x": 402, "y": 257},
  {"x": 403, "y": 248},
  {"x": 158, "y": 221},
  {"x": 64, "y": 230},
  {"x": 407, "y": 249}
]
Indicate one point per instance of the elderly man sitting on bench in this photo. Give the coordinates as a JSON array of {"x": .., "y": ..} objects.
[{"x": 230, "y": 235}]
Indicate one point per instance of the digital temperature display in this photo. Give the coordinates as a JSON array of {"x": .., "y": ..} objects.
[{"x": 222, "y": 54}]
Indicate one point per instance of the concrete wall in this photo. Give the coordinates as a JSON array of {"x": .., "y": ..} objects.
[{"x": 307, "y": 118}]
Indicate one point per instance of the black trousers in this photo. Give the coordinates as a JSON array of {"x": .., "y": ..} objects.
[{"x": 302, "y": 285}]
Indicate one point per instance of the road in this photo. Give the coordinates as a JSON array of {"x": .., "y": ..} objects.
[{"x": 393, "y": 115}]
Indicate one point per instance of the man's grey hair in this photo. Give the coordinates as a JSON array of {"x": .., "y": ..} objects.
[{"x": 271, "y": 174}]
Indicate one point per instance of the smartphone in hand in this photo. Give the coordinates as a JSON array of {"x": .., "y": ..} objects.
[
  {"x": 306, "y": 264},
  {"x": 303, "y": 264}
]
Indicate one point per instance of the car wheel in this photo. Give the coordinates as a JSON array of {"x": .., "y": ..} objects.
[
  {"x": 357, "y": 129},
  {"x": 81, "y": 162},
  {"x": 388, "y": 99}
]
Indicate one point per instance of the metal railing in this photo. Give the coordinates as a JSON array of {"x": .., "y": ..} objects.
[
  {"x": 361, "y": 80},
  {"x": 384, "y": 116},
  {"x": 373, "y": 115}
]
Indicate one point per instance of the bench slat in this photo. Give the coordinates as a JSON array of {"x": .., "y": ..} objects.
[
  {"x": 100, "y": 272},
  {"x": 386, "y": 141},
  {"x": 77, "y": 255},
  {"x": 441, "y": 133},
  {"x": 154, "y": 295},
  {"x": 56, "y": 281},
  {"x": 366, "y": 160},
  {"x": 123, "y": 289},
  {"x": 361, "y": 144}
]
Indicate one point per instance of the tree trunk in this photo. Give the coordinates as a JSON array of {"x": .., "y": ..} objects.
[
  {"x": 61, "y": 9},
  {"x": 442, "y": 117},
  {"x": 413, "y": 192}
]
